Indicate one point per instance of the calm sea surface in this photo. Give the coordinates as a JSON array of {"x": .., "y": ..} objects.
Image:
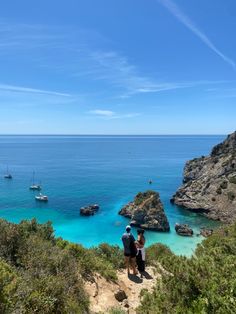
[{"x": 109, "y": 170}]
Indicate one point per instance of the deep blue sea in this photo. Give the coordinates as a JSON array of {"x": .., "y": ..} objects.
[{"x": 109, "y": 170}]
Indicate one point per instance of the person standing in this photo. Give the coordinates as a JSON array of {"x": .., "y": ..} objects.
[
  {"x": 130, "y": 250},
  {"x": 140, "y": 258}
]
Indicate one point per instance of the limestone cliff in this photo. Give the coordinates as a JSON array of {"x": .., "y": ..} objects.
[
  {"x": 146, "y": 211},
  {"x": 209, "y": 184}
]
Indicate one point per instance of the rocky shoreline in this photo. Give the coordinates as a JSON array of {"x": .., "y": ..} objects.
[
  {"x": 147, "y": 212},
  {"x": 209, "y": 184}
]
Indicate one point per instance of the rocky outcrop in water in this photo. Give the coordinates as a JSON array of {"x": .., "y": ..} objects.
[
  {"x": 206, "y": 232},
  {"x": 209, "y": 184},
  {"x": 147, "y": 212},
  {"x": 183, "y": 230},
  {"x": 89, "y": 210}
]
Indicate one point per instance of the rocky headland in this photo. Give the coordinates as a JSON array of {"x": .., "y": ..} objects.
[
  {"x": 147, "y": 212},
  {"x": 209, "y": 184}
]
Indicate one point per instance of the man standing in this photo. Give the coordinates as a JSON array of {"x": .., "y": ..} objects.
[{"x": 129, "y": 250}]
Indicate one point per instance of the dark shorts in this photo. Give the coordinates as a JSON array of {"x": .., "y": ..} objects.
[{"x": 132, "y": 255}]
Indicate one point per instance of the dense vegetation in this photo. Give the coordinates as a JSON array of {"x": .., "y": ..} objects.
[
  {"x": 142, "y": 196},
  {"x": 206, "y": 283},
  {"x": 42, "y": 274}
]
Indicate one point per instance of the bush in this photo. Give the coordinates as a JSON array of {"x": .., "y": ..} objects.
[
  {"x": 205, "y": 283},
  {"x": 224, "y": 184},
  {"x": 219, "y": 191},
  {"x": 45, "y": 277},
  {"x": 111, "y": 253},
  {"x": 231, "y": 196},
  {"x": 232, "y": 179},
  {"x": 8, "y": 285},
  {"x": 91, "y": 261},
  {"x": 142, "y": 196},
  {"x": 116, "y": 310}
]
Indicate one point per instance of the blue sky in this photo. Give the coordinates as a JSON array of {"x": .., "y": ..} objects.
[{"x": 117, "y": 67}]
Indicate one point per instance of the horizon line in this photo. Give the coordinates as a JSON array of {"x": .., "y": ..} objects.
[{"x": 101, "y": 134}]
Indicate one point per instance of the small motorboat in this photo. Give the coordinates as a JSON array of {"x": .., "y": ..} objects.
[
  {"x": 150, "y": 181},
  {"x": 41, "y": 197}
]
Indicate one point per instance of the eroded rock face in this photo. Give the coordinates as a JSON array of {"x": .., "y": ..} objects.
[
  {"x": 210, "y": 183},
  {"x": 147, "y": 212}
]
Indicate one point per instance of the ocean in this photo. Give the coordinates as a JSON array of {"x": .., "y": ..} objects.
[{"x": 109, "y": 170}]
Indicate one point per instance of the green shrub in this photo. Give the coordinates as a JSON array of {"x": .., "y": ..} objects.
[
  {"x": 205, "y": 283},
  {"x": 92, "y": 261},
  {"x": 46, "y": 277},
  {"x": 232, "y": 179},
  {"x": 142, "y": 196},
  {"x": 9, "y": 281},
  {"x": 224, "y": 184},
  {"x": 116, "y": 310},
  {"x": 111, "y": 253},
  {"x": 231, "y": 195},
  {"x": 219, "y": 191}
]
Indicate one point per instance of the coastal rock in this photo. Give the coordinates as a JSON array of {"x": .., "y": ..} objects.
[
  {"x": 209, "y": 184},
  {"x": 206, "y": 232},
  {"x": 120, "y": 295},
  {"x": 147, "y": 212},
  {"x": 183, "y": 230},
  {"x": 89, "y": 210}
]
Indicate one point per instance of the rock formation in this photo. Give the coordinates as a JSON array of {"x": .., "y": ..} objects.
[
  {"x": 146, "y": 211},
  {"x": 206, "y": 232},
  {"x": 89, "y": 210},
  {"x": 183, "y": 230},
  {"x": 209, "y": 184}
]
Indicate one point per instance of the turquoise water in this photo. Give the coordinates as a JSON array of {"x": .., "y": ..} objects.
[{"x": 109, "y": 170}]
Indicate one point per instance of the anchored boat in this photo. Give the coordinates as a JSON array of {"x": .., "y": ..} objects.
[
  {"x": 8, "y": 175},
  {"x": 41, "y": 198},
  {"x": 34, "y": 186}
]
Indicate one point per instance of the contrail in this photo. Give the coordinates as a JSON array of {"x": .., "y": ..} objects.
[{"x": 184, "y": 19}]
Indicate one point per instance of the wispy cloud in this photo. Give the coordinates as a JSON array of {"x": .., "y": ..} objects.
[
  {"x": 108, "y": 114},
  {"x": 29, "y": 90},
  {"x": 186, "y": 21},
  {"x": 117, "y": 70},
  {"x": 83, "y": 62},
  {"x": 102, "y": 113}
]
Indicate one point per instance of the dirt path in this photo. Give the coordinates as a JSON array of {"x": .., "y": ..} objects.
[{"x": 102, "y": 293}]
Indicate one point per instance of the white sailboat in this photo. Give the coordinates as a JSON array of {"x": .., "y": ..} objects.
[
  {"x": 8, "y": 175},
  {"x": 34, "y": 186}
]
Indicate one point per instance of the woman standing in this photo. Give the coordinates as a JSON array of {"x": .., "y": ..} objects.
[{"x": 140, "y": 257}]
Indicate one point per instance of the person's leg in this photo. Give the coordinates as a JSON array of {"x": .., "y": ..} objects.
[
  {"x": 127, "y": 263},
  {"x": 133, "y": 265}
]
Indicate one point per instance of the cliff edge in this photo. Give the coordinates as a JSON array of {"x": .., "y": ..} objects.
[{"x": 209, "y": 184}]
